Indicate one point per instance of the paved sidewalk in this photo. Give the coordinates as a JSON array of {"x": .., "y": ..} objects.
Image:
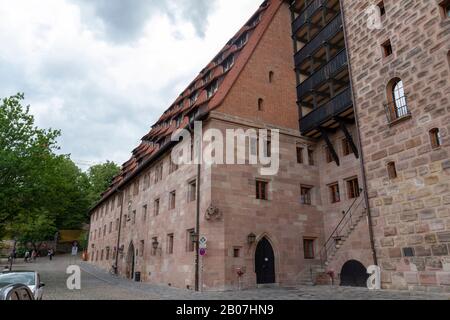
[{"x": 100, "y": 285}]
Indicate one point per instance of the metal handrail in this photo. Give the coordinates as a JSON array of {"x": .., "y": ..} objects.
[
  {"x": 322, "y": 74},
  {"x": 397, "y": 109},
  {"x": 332, "y": 28},
  {"x": 346, "y": 219},
  {"x": 306, "y": 14}
]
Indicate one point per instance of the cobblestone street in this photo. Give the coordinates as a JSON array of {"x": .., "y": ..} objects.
[{"x": 100, "y": 285}]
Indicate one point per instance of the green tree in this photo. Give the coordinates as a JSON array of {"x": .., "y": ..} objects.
[
  {"x": 24, "y": 152},
  {"x": 100, "y": 177},
  {"x": 34, "y": 227},
  {"x": 40, "y": 191}
]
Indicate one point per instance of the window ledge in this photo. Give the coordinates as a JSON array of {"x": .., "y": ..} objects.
[{"x": 400, "y": 120}]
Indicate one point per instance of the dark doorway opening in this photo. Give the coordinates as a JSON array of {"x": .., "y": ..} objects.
[
  {"x": 264, "y": 262},
  {"x": 130, "y": 261},
  {"x": 354, "y": 274}
]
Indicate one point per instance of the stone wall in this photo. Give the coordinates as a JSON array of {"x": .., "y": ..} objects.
[{"x": 411, "y": 212}]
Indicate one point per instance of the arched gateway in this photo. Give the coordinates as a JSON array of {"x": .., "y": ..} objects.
[{"x": 354, "y": 274}]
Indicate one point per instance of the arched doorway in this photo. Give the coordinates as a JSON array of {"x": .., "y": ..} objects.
[
  {"x": 130, "y": 261},
  {"x": 354, "y": 274},
  {"x": 264, "y": 262}
]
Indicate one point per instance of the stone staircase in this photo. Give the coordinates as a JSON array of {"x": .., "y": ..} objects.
[
  {"x": 344, "y": 229},
  {"x": 310, "y": 275}
]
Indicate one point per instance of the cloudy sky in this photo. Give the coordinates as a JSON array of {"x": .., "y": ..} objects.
[{"x": 103, "y": 71}]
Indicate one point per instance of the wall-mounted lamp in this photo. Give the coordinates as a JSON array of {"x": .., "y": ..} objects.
[{"x": 251, "y": 238}]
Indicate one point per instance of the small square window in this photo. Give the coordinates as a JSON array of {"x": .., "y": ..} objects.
[
  {"x": 172, "y": 200},
  {"x": 170, "y": 243},
  {"x": 190, "y": 246},
  {"x": 192, "y": 192},
  {"x": 299, "y": 155},
  {"x": 156, "y": 207},
  {"x": 382, "y": 8},
  {"x": 261, "y": 190},
  {"x": 311, "y": 157},
  {"x": 435, "y": 137},
  {"x": 445, "y": 8},
  {"x": 347, "y": 149},
  {"x": 334, "y": 193},
  {"x": 328, "y": 155},
  {"x": 387, "y": 48},
  {"x": 308, "y": 247},
  {"x": 392, "y": 171},
  {"x": 237, "y": 252},
  {"x": 353, "y": 188},
  {"x": 305, "y": 195}
]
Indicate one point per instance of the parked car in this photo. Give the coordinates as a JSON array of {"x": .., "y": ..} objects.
[
  {"x": 15, "y": 291},
  {"x": 28, "y": 278}
]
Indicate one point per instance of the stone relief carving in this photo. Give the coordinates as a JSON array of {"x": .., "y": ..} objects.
[{"x": 213, "y": 213}]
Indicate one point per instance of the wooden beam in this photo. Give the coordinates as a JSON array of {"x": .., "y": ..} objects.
[
  {"x": 330, "y": 146},
  {"x": 349, "y": 137}
]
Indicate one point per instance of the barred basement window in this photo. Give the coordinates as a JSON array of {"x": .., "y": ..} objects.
[
  {"x": 435, "y": 137},
  {"x": 392, "y": 171}
]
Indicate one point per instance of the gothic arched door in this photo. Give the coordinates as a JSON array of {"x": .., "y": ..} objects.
[
  {"x": 130, "y": 261},
  {"x": 264, "y": 262}
]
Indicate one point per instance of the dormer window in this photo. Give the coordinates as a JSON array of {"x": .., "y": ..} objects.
[
  {"x": 242, "y": 40},
  {"x": 254, "y": 21},
  {"x": 229, "y": 62},
  {"x": 193, "y": 98},
  {"x": 212, "y": 89},
  {"x": 179, "y": 120},
  {"x": 207, "y": 77}
]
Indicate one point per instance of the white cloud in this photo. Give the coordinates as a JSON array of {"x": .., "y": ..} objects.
[{"x": 103, "y": 91}]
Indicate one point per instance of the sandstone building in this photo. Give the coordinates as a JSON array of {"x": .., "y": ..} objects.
[{"x": 363, "y": 116}]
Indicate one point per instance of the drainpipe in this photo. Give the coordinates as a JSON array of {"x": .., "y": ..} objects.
[
  {"x": 197, "y": 227},
  {"x": 363, "y": 169},
  {"x": 116, "y": 269},
  {"x": 197, "y": 215}
]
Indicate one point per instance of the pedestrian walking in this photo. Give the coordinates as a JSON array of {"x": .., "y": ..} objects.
[
  {"x": 27, "y": 256},
  {"x": 51, "y": 254},
  {"x": 33, "y": 255}
]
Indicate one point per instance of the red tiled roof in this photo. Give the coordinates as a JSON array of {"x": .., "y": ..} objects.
[{"x": 166, "y": 125}]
